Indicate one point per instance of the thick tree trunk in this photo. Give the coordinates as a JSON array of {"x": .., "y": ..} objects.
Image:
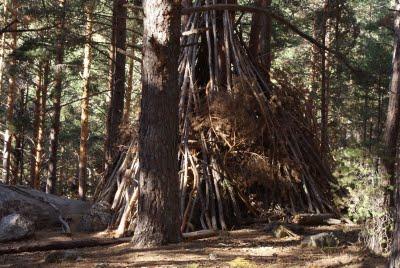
[
  {"x": 390, "y": 140},
  {"x": 83, "y": 149},
  {"x": 158, "y": 211},
  {"x": 55, "y": 128},
  {"x": 116, "y": 107},
  {"x": 10, "y": 103}
]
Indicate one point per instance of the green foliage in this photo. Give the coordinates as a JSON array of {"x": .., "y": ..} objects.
[
  {"x": 361, "y": 183},
  {"x": 361, "y": 195}
]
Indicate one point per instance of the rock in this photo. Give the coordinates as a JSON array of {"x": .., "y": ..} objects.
[
  {"x": 212, "y": 256},
  {"x": 321, "y": 240},
  {"x": 15, "y": 227},
  {"x": 97, "y": 219},
  {"x": 61, "y": 256}
]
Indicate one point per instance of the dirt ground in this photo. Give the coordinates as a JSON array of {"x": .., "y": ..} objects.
[{"x": 251, "y": 247}]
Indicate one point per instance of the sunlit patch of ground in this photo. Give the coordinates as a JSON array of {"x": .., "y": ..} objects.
[{"x": 243, "y": 248}]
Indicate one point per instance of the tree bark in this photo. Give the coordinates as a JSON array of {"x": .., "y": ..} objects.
[
  {"x": 158, "y": 219},
  {"x": 260, "y": 36},
  {"x": 3, "y": 45},
  {"x": 390, "y": 141},
  {"x": 116, "y": 107},
  {"x": 83, "y": 149},
  {"x": 55, "y": 128},
  {"x": 10, "y": 101},
  {"x": 324, "y": 85},
  {"x": 129, "y": 88},
  {"x": 40, "y": 113}
]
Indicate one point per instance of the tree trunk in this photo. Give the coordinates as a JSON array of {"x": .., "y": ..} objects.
[
  {"x": 83, "y": 149},
  {"x": 158, "y": 213},
  {"x": 116, "y": 107},
  {"x": 40, "y": 107},
  {"x": 260, "y": 36},
  {"x": 10, "y": 103},
  {"x": 390, "y": 141},
  {"x": 17, "y": 165},
  {"x": 3, "y": 45},
  {"x": 324, "y": 85},
  {"x": 55, "y": 128},
  {"x": 129, "y": 89}
]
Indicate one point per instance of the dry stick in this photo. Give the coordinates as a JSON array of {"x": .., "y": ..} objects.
[
  {"x": 217, "y": 178},
  {"x": 132, "y": 203},
  {"x": 187, "y": 214},
  {"x": 209, "y": 50},
  {"x": 215, "y": 39},
  {"x": 227, "y": 32},
  {"x": 209, "y": 184}
]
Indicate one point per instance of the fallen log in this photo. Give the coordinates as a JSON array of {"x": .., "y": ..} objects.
[
  {"x": 45, "y": 210},
  {"x": 199, "y": 235},
  {"x": 61, "y": 245},
  {"x": 313, "y": 219}
]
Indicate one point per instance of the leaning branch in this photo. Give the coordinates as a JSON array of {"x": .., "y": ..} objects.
[{"x": 278, "y": 18}]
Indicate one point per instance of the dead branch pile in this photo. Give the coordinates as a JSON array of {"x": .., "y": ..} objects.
[{"x": 246, "y": 146}]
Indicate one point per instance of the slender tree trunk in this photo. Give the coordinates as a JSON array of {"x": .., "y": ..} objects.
[
  {"x": 36, "y": 123},
  {"x": 324, "y": 86},
  {"x": 111, "y": 70},
  {"x": 55, "y": 128},
  {"x": 19, "y": 139},
  {"x": 116, "y": 108},
  {"x": 260, "y": 36},
  {"x": 390, "y": 141},
  {"x": 83, "y": 149},
  {"x": 9, "y": 132},
  {"x": 3, "y": 45},
  {"x": 158, "y": 211},
  {"x": 37, "y": 165},
  {"x": 129, "y": 88}
]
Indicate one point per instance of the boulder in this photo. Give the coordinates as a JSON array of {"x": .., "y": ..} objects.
[
  {"x": 97, "y": 219},
  {"x": 321, "y": 240},
  {"x": 15, "y": 227}
]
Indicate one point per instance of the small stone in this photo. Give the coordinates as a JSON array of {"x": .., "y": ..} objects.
[
  {"x": 321, "y": 240},
  {"x": 15, "y": 227},
  {"x": 212, "y": 256},
  {"x": 61, "y": 256}
]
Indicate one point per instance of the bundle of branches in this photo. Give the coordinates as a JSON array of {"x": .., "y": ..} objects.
[{"x": 246, "y": 145}]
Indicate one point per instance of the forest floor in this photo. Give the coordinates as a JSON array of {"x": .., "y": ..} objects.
[{"x": 245, "y": 248}]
